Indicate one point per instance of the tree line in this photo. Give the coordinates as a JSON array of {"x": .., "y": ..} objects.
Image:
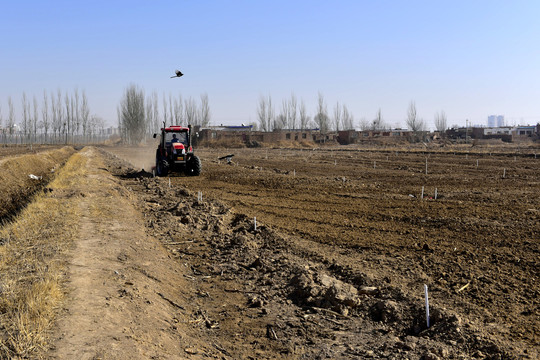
[
  {"x": 141, "y": 115},
  {"x": 293, "y": 115},
  {"x": 55, "y": 117}
]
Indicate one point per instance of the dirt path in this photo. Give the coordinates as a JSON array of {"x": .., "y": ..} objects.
[{"x": 124, "y": 289}]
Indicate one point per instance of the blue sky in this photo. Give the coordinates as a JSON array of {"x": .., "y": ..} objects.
[{"x": 468, "y": 58}]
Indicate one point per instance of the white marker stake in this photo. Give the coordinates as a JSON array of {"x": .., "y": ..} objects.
[
  {"x": 504, "y": 173},
  {"x": 427, "y": 305},
  {"x": 255, "y": 223},
  {"x": 294, "y": 172},
  {"x": 426, "y": 166},
  {"x": 477, "y": 163},
  {"x": 169, "y": 182},
  {"x": 422, "y": 196},
  {"x": 435, "y": 193},
  {"x": 335, "y": 162},
  {"x": 153, "y": 173}
]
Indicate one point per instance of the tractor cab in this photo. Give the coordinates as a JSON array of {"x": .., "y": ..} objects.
[{"x": 175, "y": 153}]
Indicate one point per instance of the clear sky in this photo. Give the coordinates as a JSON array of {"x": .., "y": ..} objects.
[{"x": 469, "y": 58}]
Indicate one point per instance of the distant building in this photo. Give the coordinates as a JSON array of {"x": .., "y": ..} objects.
[{"x": 495, "y": 121}]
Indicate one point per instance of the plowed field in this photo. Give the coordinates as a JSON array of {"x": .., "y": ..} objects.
[{"x": 465, "y": 223}]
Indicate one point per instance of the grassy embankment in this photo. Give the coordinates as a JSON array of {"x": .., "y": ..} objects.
[{"x": 32, "y": 258}]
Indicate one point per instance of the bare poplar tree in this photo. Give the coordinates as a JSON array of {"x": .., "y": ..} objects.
[
  {"x": 149, "y": 108},
  {"x": 293, "y": 110},
  {"x": 45, "y": 115},
  {"x": 67, "y": 118},
  {"x": 172, "y": 119},
  {"x": 440, "y": 121},
  {"x": 282, "y": 120},
  {"x": 155, "y": 116},
  {"x": 61, "y": 119},
  {"x": 26, "y": 121},
  {"x": 54, "y": 117},
  {"x": 304, "y": 119},
  {"x": 132, "y": 115},
  {"x": 347, "y": 119},
  {"x": 178, "y": 110},
  {"x": 190, "y": 108},
  {"x": 321, "y": 118},
  {"x": 11, "y": 119},
  {"x": 270, "y": 114},
  {"x": 261, "y": 113},
  {"x": 205, "y": 110},
  {"x": 85, "y": 115},
  {"x": 378, "y": 122},
  {"x": 77, "y": 114},
  {"x": 35, "y": 118},
  {"x": 165, "y": 109},
  {"x": 337, "y": 116},
  {"x": 413, "y": 122}
]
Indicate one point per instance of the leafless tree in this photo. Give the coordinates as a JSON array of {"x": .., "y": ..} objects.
[
  {"x": 85, "y": 115},
  {"x": 68, "y": 118},
  {"x": 204, "y": 115},
  {"x": 304, "y": 118},
  {"x": 378, "y": 122},
  {"x": 337, "y": 116},
  {"x": 77, "y": 114},
  {"x": 178, "y": 110},
  {"x": 265, "y": 113},
  {"x": 261, "y": 113},
  {"x": 190, "y": 108},
  {"x": 364, "y": 124},
  {"x": 413, "y": 122},
  {"x": 440, "y": 121},
  {"x": 25, "y": 115},
  {"x": 293, "y": 110},
  {"x": 45, "y": 115},
  {"x": 149, "y": 108},
  {"x": 347, "y": 119},
  {"x": 60, "y": 121},
  {"x": 155, "y": 116},
  {"x": 282, "y": 120},
  {"x": 132, "y": 115},
  {"x": 34, "y": 119},
  {"x": 321, "y": 118},
  {"x": 165, "y": 110},
  {"x": 11, "y": 119}
]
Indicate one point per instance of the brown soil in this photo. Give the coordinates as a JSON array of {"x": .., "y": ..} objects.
[
  {"x": 344, "y": 245},
  {"x": 334, "y": 268}
]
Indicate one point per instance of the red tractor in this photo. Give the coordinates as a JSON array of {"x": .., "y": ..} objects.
[{"x": 175, "y": 153}]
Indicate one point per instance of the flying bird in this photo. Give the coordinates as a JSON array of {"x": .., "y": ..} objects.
[{"x": 178, "y": 74}]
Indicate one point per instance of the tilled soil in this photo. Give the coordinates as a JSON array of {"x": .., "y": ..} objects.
[{"x": 343, "y": 244}]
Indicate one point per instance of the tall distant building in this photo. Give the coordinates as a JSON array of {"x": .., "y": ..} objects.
[{"x": 495, "y": 120}]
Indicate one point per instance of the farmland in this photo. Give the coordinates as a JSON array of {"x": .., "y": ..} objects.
[{"x": 335, "y": 267}]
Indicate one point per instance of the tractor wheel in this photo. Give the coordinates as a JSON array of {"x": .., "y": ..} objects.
[
  {"x": 194, "y": 166},
  {"x": 161, "y": 170}
]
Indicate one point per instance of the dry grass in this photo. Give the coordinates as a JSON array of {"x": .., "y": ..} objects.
[
  {"x": 32, "y": 268},
  {"x": 17, "y": 186}
]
